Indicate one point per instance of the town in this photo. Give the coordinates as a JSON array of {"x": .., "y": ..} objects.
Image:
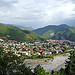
[{"x": 45, "y": 48}]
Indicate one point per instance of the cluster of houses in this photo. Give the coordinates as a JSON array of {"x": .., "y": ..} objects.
[{"x": 37, "y": 48}]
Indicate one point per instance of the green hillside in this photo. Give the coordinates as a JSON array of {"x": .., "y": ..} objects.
[
  {"x": 55, "y": 28},
  {"x": 70, "y": 34},
  {"x": 49, "y": 34},
  {"x": 14, "y": 33},
  {"x": 60, "y": 32}
]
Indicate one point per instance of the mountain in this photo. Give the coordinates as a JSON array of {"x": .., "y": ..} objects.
[
  {"x": 19, "y": 26},
  {"x": 4, "y": 24},
  {"x": 51, "y": 28},
  {"x": 61, "y": 27},
  {"x": 25, "y": 27},
  {"x": 12, "y": 26},
  {"x": 60, "y": 32},
  {"x": 12, "y": 32},
  {"x": 69, "y": 34}
]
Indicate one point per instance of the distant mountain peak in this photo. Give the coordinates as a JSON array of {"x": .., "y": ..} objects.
[
  {"x": 19, "y": 26},
  {"x": 25, "y": 27},
  {"x": 62, "y": 25}
]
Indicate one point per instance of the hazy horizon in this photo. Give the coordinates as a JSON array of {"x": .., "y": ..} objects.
[{"x": 37, "y": 13}]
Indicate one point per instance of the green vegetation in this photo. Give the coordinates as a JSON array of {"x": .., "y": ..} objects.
[
  {"x": 12, "y": 65},
  {"x": 55, "y": 28},
  {"x": 38, "y": 70},
  {"x": 14, "y": 33},
  {"x": 57, "y": 32},
  {"x": 17, "y": 67},
  {"x": 36, "y": 57},
  {"x": 70, "y": 34},
  {"x": 42, "y": 56},
  {"x": 60, "y": 72},
  {"x": 49, "y": 34},
  {"x": 70, "y": 66}
]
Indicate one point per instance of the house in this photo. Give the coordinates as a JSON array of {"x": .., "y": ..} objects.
[
  {"x": 25, "y": 53},
  {"x": 1, "y": 40},
  {"x": 46, "y": 53},
  {"x": 57, "y": 51},
  {"x": 36, "y": 42},
  {"x": 18, "y": 55},
  {"x": 36, "y": 54}
]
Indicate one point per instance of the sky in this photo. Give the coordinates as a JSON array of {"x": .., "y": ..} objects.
[{"x": 37, "y": 13}]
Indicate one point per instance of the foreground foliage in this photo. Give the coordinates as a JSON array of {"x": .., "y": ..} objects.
[
  {"x": 12, "y": 65},
  {"x": 70, "y": 66}
]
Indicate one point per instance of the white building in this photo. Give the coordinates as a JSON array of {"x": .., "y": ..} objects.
[{"x": 1, "y": 40}]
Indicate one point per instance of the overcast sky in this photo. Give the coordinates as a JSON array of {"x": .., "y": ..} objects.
[{"x": 37, "y": 13}]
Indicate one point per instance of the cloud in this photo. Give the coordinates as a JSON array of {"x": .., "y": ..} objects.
[
  {"x": 7, "y": 3},
  {"x": 36, "y": 12},
  {"x": 73, "y": 1}
]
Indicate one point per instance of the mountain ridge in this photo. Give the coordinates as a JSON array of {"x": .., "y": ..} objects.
[
  {"x": 60, "y": 32},
  {"x": 19, "y": 26},
  {"x": 46, "y": 28},
  {"x": 15, "y": 33}
]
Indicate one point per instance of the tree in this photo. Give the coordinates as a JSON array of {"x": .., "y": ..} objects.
[
  {"x": 59, "y": 72},
  {"x": 10, "y": 64},
  {"x": 52, "y": 72},
  {"x": 38, "y": 70},
  {"x": 70, "y": 65}
]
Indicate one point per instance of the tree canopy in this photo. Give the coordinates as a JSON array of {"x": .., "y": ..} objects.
[{"x": 12, "y": 65}]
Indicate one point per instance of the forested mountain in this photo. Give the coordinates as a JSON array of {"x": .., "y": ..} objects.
[
  {"x": 15, "y": 33},
  {"x": 51, "y": 27},
  {"x": 60, "y": 32}
]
